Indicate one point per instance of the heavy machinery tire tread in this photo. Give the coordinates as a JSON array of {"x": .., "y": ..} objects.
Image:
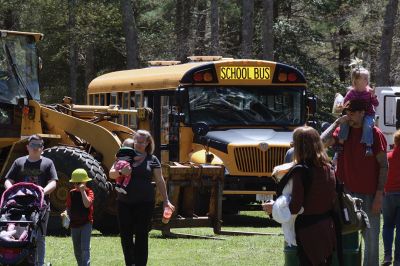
[{"x": 96, "y": 171}]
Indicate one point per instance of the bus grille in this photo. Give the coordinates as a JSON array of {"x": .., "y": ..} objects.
[{"x": 253, "y": 160}]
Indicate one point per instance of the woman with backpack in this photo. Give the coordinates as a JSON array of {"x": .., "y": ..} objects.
[{"x": 314, "y": 189}]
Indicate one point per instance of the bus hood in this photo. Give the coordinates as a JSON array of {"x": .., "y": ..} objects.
[{"x": 242, "y": 137}]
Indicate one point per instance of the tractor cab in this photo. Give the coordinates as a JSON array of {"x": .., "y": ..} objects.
[{"x": 19, "y": 65}]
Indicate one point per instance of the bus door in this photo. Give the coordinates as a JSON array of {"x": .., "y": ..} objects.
[{"x": 165, "y": 125}]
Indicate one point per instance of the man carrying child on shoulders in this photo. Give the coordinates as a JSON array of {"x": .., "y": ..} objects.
[{"x": 363, "y": 176}]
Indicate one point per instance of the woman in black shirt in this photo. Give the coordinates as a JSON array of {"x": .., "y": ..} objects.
[{"x": 135, "y": 208}]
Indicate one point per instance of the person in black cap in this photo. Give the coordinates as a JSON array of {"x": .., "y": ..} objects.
[
  {"x": 363, "y": 176},
  {"x": 352, "y": 106}
]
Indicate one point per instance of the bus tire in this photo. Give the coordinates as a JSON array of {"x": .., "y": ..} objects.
[{"x": 66, "y": 160}]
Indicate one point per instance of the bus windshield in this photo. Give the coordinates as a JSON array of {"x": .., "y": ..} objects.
[{"x": 246, "y": 105}]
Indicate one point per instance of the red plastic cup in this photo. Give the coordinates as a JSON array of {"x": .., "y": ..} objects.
[{"x": 166, "y": 215}]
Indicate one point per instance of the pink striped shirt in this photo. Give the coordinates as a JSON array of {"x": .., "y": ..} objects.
[{"x": 366, "y": 96}]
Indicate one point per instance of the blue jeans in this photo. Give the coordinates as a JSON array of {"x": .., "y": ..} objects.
[
  {"x": 289, "y": 156},
  {"x": 40, "y": 241},
  {"x": 391, "y": 220},
  {"x": 370, "y": 235},
  {"x": 367, "y": 135},
  {"x": 81, "y": 241}
]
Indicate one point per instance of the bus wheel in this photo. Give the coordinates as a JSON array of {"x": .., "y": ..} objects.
[
  {"x": 66, "y": 160},
  {"x": 230, "y": 207}
]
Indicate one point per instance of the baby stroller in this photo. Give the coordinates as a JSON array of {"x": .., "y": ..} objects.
[{"x": 22, "y": 210}]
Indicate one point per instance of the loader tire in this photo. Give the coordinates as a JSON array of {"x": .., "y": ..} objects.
[{"x": 66, "y": 160}]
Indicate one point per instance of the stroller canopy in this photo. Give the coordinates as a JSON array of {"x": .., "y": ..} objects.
[{"x": 22, "y": 197}]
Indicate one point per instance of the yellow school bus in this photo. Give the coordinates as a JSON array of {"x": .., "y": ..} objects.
[{"x": 239, "y": 113}]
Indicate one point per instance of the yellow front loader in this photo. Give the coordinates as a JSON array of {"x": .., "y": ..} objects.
[
  {"x": 75, "y": 136},
  {"x": 87, "y": 136}
]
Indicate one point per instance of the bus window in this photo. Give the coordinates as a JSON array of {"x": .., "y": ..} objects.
[
  {"x": 113, "y": 98},
  {"x": 138, "y": 99},
  {"x": 145, "y": 101},
  {"x": 125, "y": 105},
  {"x": 132, "y": 100},
  {"x": 164, "y": 119},
  {"x": 119, "y": 103},
  {"x": 113, "y": 101},
  {"x": 102, "y": 99},
  {"x": 132, "y": 118},
  {"x": 164, "y": 126},
  {"x": 96, "y": 99},
  {"x": 108, "y": 98}
]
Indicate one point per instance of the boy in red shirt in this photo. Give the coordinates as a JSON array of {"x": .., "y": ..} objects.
[{"x": 80, "y": 210}]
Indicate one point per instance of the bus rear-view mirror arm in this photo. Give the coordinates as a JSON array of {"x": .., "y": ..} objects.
[
  {"x": 311, "y": 104},
  {"x": 178, "y": 117}
]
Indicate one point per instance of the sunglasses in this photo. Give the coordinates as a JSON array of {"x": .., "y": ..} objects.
[{"x": 36, "y": 145}]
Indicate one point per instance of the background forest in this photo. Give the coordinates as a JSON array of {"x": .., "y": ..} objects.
[{"x": 87, "y": 38}]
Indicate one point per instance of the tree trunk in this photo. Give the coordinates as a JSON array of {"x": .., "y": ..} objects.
[
  {"x": 383, "y": 69},
  {"x": 215, "y": 50},
  {"x": 178, "y": 28},
  {"x": 267, "y": 30},
  {"x": 276, "y": 9},
  {"x": 131, "y": 35},
  {"x": 73, "y": 50},
  {"x": 89, "y": 65},
  {"x": 247, "y": 28},
  {"x": 184, "y": 11},
  {"x": 287, "y": 6},
  {"x": 201, "y": 27},
  {"x": 11, "y": 20},
  {"x": 344, "y": 53}
]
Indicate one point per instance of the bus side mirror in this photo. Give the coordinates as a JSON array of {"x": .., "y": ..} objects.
[
  {"x": 200, "y": 128},
  {"x": 311, "y": 104},
  {"x": 324, "y": 126},
  {"x": 181, "y": 96},
  {"x": 397, "y": 113},
  {"x": 312, "y": 123},
  {"x": 181, "y": 117}
]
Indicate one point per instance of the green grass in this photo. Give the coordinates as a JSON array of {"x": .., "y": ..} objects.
[{"x": 234, "y": 250}]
